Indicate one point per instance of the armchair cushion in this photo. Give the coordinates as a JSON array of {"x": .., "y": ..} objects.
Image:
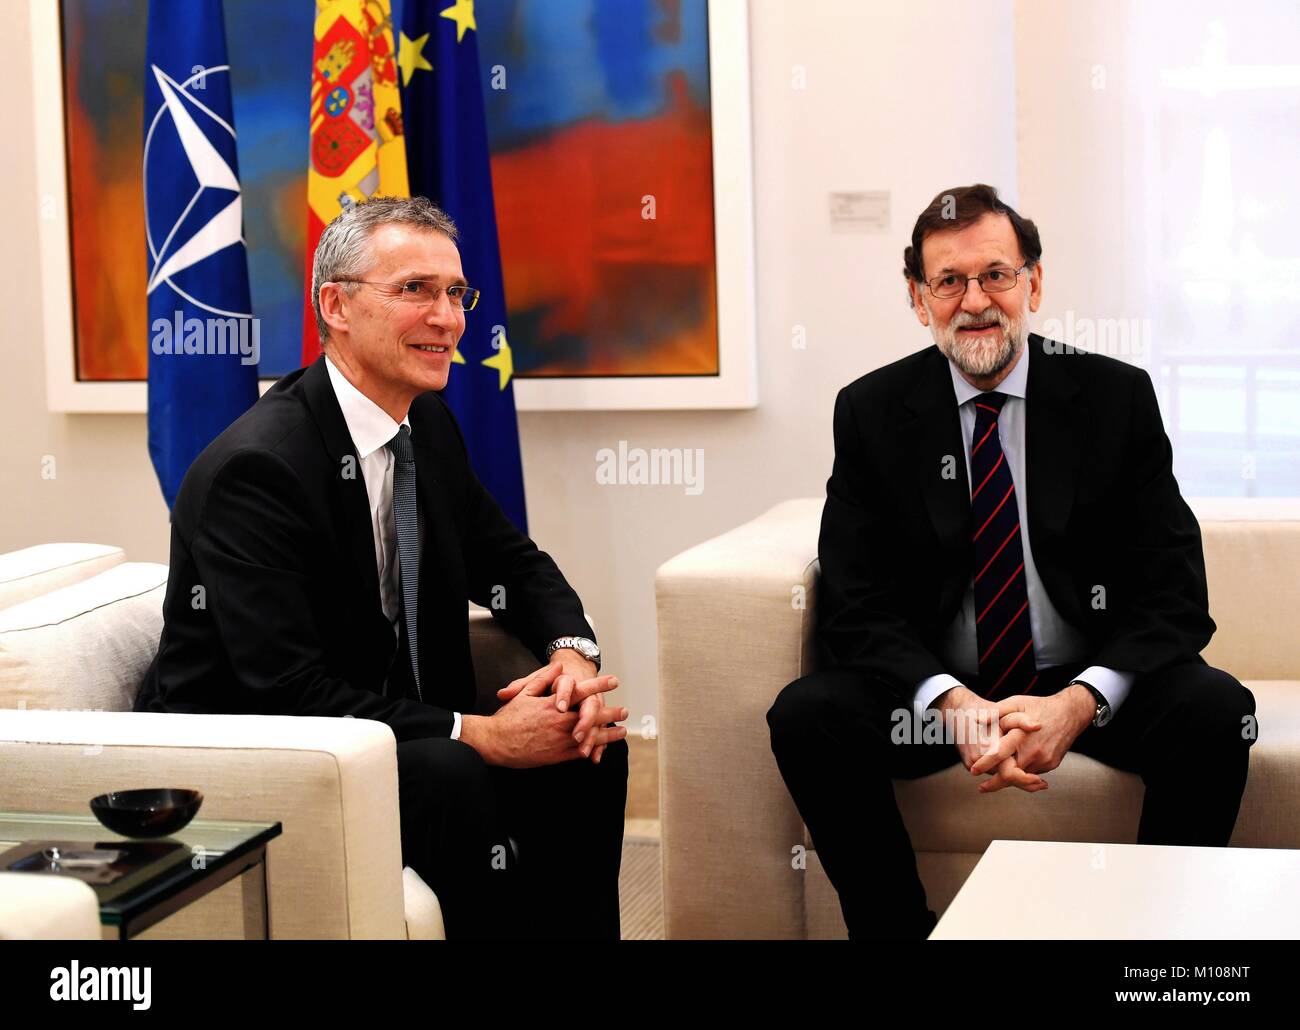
[
  {"x": 37, "y": 570},
  {"x": 85, "y": 646},
  {"x": 423, "y": 913}
]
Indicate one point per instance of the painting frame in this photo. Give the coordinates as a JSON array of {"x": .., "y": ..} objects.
[{"x": 734, "y": 386}]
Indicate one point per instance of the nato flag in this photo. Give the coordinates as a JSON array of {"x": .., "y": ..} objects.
[
  {"x": 203, "y": 341},
  {"x": 447, "y": 161}
]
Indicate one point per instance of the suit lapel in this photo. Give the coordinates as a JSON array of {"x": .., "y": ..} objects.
[
  {"x": 1054, "y": 437},
  {"x": 933, "y": 446},
  {"x": 349, "y": 483}
]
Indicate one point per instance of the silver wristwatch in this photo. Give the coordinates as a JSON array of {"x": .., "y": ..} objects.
[
  {"x": 586, "y": 648},
  {"x": 1103, "y": 713}
]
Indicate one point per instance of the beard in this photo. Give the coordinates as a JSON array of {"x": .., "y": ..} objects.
[{"x": 982, "y": 357}]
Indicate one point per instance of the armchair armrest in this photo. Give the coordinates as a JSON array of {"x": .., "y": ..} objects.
[
  {"x": 336, "y": 870},
  {"x": 35, "y": 906},
  {"x": 735, "y": 626}
]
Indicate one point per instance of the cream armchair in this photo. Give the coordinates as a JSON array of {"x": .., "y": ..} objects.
[
  {"x": 740, "y": 611},
  {"x": 70, "y": 660}
]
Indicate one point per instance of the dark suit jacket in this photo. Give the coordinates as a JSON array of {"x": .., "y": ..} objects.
[
  {"x": 1104, "y": 511},
  {"x": 272, "y": 522}
]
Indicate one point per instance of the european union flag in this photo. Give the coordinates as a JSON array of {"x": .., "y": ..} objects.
[
  {"x": 447, "y": 161},
  {"x": 203, "y": 340}
]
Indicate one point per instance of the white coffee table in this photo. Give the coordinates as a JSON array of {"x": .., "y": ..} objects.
[{"x": 1049, "y": 890}]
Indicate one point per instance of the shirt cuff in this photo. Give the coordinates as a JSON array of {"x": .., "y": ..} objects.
[
  {"x": 455, "y": 726},
  {"x": 1109, "y": 683},
  {"x": 930, "y": 690}
]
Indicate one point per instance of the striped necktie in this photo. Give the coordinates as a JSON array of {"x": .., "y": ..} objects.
[
  {"x": 1002, "y": 627},
  {"x": 408, "y": 540}
]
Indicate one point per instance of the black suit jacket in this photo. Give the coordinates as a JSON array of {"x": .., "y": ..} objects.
[
  {"x": 272, "y": 601},
  {"x": 1104, "y": 511}
]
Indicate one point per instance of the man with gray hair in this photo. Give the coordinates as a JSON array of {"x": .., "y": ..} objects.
[{"x": 338, "y": 533}]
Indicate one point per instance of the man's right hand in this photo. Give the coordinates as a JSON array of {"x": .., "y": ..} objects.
[
  {"x": 530, "y": 731},
  {"x": 982, "y": 732}
]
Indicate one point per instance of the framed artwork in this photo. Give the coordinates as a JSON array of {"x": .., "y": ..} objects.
[{"x": 622, "y": 174}]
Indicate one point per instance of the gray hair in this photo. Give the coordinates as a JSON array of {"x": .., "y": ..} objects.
[{"x": 343, "y": 250}]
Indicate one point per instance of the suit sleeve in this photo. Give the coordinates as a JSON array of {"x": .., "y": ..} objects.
[
  {"x": 860, "y": 622},
  {"x": 251, "y": 557},
  {"x": 1161, "y": 612},
  {"x": 507, "y": 574}
]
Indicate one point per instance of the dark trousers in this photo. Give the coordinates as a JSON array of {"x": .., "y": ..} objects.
[
  {"x": 1181, "y": 730},
  {"x": 463, "y": 820}
]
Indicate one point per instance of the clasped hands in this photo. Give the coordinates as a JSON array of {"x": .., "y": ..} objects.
[
  {"x": 1018, "y": 738},
  {"x": 553, "y": 714}
]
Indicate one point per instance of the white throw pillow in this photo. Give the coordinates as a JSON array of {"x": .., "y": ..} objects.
[
  {"x": 85, "y": 647},
  {"x": 38, "y": 570}
]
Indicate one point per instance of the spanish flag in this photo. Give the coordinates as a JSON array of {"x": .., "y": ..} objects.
[{"x": 357, "y": 146}]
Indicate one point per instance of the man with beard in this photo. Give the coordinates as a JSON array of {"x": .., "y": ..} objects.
[{"x": 1003, "y": 543}]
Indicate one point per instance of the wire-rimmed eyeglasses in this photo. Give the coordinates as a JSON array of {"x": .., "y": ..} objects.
[
  {"x": 426, "y": 291},
  {"x": 994, "y": 280}
]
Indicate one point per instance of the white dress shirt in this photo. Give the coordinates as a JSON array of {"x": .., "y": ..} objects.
[
  {"x": 371, "y": 427},
  {"x": 1056, "y": 642}
]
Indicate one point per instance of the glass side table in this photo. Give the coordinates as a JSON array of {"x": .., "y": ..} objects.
[{"x": 154, "y": 877}]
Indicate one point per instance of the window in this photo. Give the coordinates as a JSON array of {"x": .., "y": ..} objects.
[{"x": 1216, "y": 95}]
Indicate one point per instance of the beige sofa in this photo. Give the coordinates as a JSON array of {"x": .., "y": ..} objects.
[
  {"x": 736, "y": 617},
  {"x": 79, "y": 626}
]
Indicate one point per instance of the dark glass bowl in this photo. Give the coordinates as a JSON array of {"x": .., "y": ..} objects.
[{"x": 154, "y": 812}]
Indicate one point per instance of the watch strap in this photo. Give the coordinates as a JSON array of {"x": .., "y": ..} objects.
[
  {"x": 1100, "y": 701},
  {"x": 573, "y": 642}
]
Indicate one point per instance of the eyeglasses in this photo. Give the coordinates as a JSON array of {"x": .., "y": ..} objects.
[
  {"x": 995, "y": 280},
  {"x": 425, "y": 291}
]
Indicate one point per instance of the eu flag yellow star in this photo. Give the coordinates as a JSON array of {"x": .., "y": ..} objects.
[
  {"x": 502, "y": 362},
  {"x": 410, "y": 57},
  {"x": 463, "y": 15}
]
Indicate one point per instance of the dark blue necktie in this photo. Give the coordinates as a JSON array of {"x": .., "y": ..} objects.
[
  {"x": 408, "y": 540},
  {"x": 1002, "y": 627}
]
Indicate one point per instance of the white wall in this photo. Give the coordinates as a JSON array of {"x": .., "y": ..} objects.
[
  {"x": 906, "y": 98},
  {"x": 1074, "y": 155}
]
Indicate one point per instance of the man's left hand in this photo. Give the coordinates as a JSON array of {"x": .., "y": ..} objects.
[{"x": 1061, "y": 717}]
